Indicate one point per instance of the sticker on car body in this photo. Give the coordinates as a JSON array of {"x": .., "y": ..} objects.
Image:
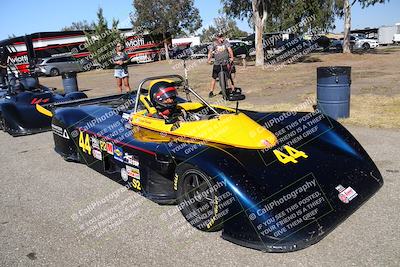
[
  {"x": 118, "y": 153},
  {"x": 346, "y": 194},
  {"x": 97, "y": 154}
]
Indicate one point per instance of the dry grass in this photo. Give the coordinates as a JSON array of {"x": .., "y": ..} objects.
[
  {"x": 365, "y": 110},
  {"x": 374, "y": 111}
]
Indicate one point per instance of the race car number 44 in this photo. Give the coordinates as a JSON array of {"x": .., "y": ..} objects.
[
  {"x": 84, "y": 143},
  {"x": 293, "y": 155}
]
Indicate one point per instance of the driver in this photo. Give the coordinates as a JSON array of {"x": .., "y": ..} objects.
[{"x": 163, "y": 97}]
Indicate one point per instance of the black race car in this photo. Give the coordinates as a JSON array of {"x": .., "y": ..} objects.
[
  {"x": 18, "y": 101},
  {"x": 276, "y": 182}
]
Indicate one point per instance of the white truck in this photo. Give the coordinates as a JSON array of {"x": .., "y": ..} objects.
[{"x": 388, "y": 35}]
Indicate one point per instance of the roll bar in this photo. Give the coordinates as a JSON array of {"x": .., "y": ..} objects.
[{"x": 202, "y": 100}]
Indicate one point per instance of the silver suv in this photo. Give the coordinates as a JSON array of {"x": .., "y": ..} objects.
[{"x": 54, "y": 66}]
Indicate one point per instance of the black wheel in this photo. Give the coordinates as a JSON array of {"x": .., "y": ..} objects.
[
  {"x": 2, "y": 123},
  {"x": 339, "y": 48},
  {"x": 198, "y": 197},
  {"x": 54, "y": 72},
  {"x": 366, "y": 46},
  {"x": 222, "y": 83}
]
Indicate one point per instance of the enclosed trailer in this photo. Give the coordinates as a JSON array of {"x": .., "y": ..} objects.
[{"x": 386, "y": 34}]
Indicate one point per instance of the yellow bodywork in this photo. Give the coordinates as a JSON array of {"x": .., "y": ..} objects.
[
  {"x": 44, "y": 111},
  {"x": 228, "y": 128}
]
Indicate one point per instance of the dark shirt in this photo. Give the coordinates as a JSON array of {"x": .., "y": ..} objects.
[{"x": 121, "y": 57}]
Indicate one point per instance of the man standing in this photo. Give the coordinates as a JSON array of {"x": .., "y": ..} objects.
[{"x": 223, "y": 55}]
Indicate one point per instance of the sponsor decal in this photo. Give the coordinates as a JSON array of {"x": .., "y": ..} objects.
[
  {"x": 124, "y": 175},
  {"x": 18, "y": 60},
  {"x": 97, "y": 154},
  {"x": 135, "y": 42},
  {"x": 133, "y": 172},
  {"x": 118, "y": 153},
  {"x": 39, "y": 100},
  {"x": 110, "y": 148},
  {"x": 131, "y": 160},
  {"x": 103, "y": 145},
  {"x": 60, "y": 131},
  {"x": 95, "y": 143},
  {"x": 346, "y": 194}
]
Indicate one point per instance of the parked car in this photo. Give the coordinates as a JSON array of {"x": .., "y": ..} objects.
[
  {"x": 54, "y": 66},
  {"x": 240, "y": 48},
  {"x": 356, "y": 43},
  {"x": 200, "y": 51}
]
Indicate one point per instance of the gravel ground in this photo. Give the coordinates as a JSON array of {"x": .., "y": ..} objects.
[{"x": 41, "y": 196}]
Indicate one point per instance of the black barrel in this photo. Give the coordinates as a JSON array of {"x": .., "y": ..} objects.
[
  {"x": 333, "y": 91},
  {"x": 70, "y": 82}
]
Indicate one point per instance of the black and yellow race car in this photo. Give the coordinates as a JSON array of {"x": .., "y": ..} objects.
[{"x": 275, "y": 182}]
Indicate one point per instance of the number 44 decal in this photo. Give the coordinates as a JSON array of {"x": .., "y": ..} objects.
[
  {"x": 293, "y": 155},
  {"x": 84, "y": 143}
]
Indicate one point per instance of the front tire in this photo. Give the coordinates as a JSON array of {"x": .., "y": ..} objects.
[{"x": 198, "y": 197}]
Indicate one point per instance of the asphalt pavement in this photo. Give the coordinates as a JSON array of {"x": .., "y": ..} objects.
[{"x": 58, "y": 213}]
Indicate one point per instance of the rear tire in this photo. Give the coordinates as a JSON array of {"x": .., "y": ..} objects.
[
  {"x": 54, "y": 72},
  {"x": 366, "y": 46},
  {"x": 2, "y": 123},
  {"x": 198, "y": 199}
]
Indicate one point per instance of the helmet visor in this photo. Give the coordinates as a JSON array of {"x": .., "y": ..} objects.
[{"x": 165, "y": 93}]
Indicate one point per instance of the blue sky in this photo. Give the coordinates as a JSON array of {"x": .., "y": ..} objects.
[{"x": 19, "y": 17}]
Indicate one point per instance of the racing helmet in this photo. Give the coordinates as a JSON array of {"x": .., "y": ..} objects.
[{"x": 161, "y": 91}]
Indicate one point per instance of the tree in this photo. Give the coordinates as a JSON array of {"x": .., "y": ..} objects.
[
  {"x": 255, "y": 11},
  {"x": 222, "y": 24},
  {"x": 79, "y": 26},
  {"x": 300, "y": 16},
  {"x": 344, "y": 9},
  {"x": 102, "y": 40},
  {"x": 166, "y": 17},
  {"x": 280, "y": 15}
]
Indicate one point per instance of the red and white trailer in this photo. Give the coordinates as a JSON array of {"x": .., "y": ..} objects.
[{"x": 140, "y": 47}]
